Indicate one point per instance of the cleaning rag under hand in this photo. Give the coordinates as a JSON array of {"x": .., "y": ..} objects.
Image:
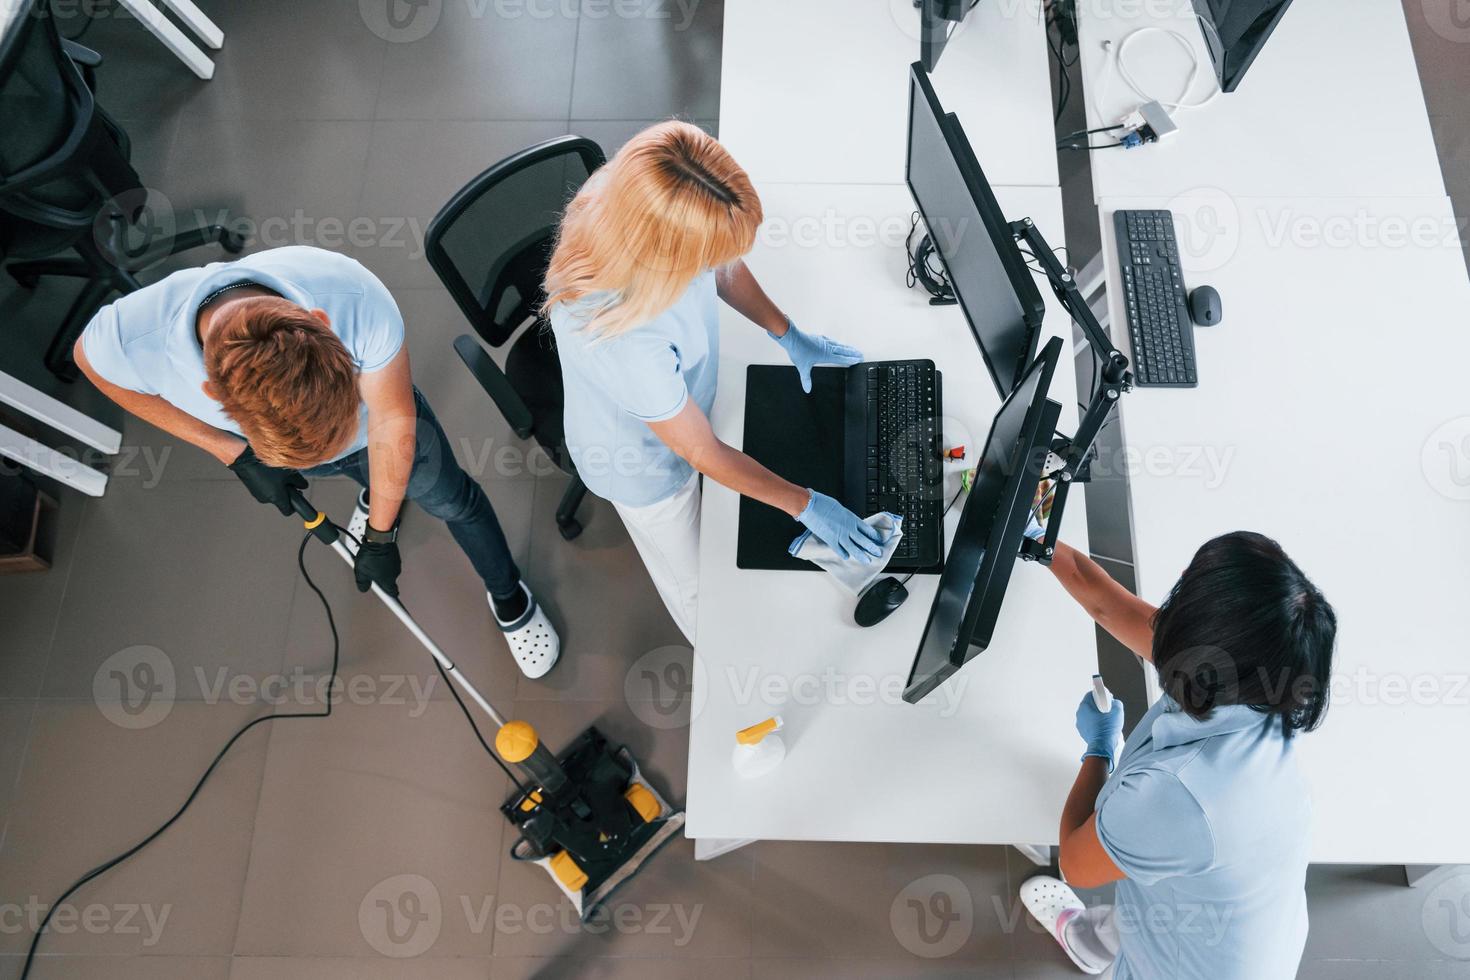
[{"x": 851, "y": 573}]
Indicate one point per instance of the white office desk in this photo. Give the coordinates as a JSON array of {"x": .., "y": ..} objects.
[
  {"x": 1331, "y": 106},
  {"x": 816, "y": 91},
  {"x": 1332, "y": 400},
  {"x": 988, "y": 757}
]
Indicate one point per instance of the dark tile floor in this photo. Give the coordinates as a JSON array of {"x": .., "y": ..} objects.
[{"x": 326, "y": 850}]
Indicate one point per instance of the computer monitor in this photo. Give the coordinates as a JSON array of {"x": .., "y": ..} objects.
[
  {"x": 992, "y": 526},
  {"x": 937, "y": 20},
  {"x": 972, "y": 237},
  {"x": 1234, "y": 32}
]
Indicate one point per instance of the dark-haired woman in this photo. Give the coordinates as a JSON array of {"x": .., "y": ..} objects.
[{"x": 1203, "y": 822}]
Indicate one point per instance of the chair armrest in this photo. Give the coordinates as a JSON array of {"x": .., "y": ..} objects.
[
  {"x": 496, "y": 384},
  {"x": 81, "y": 54}
]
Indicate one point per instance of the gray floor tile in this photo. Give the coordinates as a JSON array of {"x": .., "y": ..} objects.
[
  {"x": 377, "y": 834},
  {"x": 30, "y": 606},
  {"x": 620, "y": 968},
  {"x": 482, "y": 59},
  {"x": 414, "y": 168},
  {"x": 1365, "y": 912},
  {"x": 187, "y": 580},
  {"x": 286, "y": 60},
  {"x": 277, "y": 181},
  {"x": 151, "y": 457},
  {"x": 15, "y": 734},
  {"x": 122, "y": 968},
  {"x": 152, "y": 139},
  {"x": 600, "y": 597},
  {"x": 441, "y": 591},
  {"x": 91, "y": 787},
  {"x": 878, "y": 969},
  {"x": 342, "y": 968},
  {"x": 611, "y": 134},
  {"x": 676, "y": 48},
  {"x": 138, "y": 76},
  {"x": 1440, "y": 33},
  {"x": 880, "y": 901}
]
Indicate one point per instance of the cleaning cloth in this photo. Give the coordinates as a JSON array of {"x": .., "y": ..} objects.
[{"x": 851, "y": 573}]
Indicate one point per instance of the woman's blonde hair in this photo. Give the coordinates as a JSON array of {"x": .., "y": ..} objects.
[{"x": 670, "y": 205}]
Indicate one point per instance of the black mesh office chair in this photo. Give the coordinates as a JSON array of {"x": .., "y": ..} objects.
[
  {"x": 65, "y": 181},
  {"x": 490, "y": 246}
]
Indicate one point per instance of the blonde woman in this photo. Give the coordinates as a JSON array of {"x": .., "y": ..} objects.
[{"x": 645, "y": 248}]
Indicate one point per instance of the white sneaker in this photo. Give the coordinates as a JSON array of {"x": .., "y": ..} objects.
[
  {"x": 357, "y": 527},
  {"x": 532, "y": 639}
]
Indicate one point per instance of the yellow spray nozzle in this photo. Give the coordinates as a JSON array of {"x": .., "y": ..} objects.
[{"x": 758, "y": 731}]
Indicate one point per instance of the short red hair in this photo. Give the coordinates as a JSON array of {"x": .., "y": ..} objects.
[{"x": 286, "y": 380}]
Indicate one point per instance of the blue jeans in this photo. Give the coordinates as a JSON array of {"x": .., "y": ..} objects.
[{"x": 440, "y": 486}]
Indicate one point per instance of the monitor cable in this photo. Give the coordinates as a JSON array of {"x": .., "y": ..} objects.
[
  {"x": 926, "y": 268},
  {"x": 1196, "y": 66}
]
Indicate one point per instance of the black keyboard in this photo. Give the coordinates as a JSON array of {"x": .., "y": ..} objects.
[
  {"x": 905, "y": 472},
  {"x": 1153, "y": 288}
]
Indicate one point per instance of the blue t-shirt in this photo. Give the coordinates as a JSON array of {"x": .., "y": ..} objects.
[
  {"x": 1209, "y": 820},
  {"x": 616, "y": 385},
  {"x": 146, "y": 341}
]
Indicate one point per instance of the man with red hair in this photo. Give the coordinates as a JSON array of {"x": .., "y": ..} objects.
[{"x": 292, "y": 361}]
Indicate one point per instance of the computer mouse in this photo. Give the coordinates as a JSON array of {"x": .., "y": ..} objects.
[
  {"x": 879, "y": 600},
  {"x": 1204, "y": 306}
]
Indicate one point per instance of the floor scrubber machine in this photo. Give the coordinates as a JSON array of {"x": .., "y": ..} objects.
[{"x": 587, "y": 816}]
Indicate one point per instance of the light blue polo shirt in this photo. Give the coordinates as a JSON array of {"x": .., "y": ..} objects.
[
  {"x": 617, "y": 385},
  {"x": 1209, "y": 820},
  {"x": 146, "y": 341}
]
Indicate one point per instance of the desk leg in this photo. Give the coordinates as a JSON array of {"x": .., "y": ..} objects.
[
  {"x": 709, "y": 848},
  {"x": 58, "y": 415},
  {"x": 174, "y": 39},
  {"x": 1038, "y": 854},
  {"x": 48, "y": 462},
  {"x": 196, "y": 20}
]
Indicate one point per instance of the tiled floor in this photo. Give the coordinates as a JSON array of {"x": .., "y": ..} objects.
[{"x": 332, "y": 849}]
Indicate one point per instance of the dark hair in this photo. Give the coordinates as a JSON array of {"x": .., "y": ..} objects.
[{"x": 1244, "y": 625}]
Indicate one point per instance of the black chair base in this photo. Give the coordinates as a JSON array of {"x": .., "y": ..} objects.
[
  {"x": 566, "y": 511},
  {"x": 105, "y": 277}
]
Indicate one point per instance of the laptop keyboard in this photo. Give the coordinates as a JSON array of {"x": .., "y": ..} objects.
[{"x": 904, "y": 472}]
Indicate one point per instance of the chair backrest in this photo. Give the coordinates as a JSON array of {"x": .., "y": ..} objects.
[
  {"x": 59, "y": 164},
  {"x": 491, "y": 243}
]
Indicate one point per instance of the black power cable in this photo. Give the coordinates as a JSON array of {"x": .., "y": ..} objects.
[{"x": 111, "y": 863}]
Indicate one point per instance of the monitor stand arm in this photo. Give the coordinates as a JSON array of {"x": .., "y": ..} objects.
[{"x": 1070, "y": 459}]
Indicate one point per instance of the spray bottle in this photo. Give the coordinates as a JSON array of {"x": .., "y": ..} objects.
[{"x": 758, "y": 749}]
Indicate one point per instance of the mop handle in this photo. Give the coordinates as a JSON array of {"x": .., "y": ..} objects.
[{"x": 325, "y": 531}]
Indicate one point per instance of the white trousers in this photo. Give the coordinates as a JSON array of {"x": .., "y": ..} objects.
[
  {"x": 1093, "y": 935},
  {"x": 666, "y": 535}
]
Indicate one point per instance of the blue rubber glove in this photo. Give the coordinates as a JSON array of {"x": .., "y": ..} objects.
[
  {"x": 808, "y": 350},
  {"x": 840, "y": 529},
  {"x": 1100, "y": 731}
]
